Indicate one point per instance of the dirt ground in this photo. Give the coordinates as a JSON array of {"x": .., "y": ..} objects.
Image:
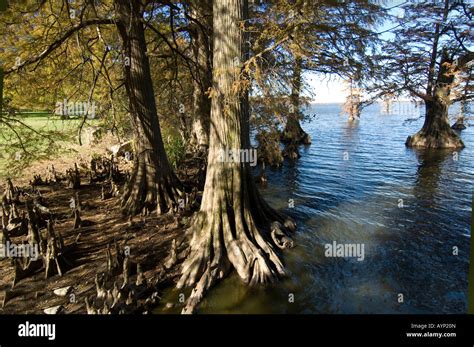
[{"x": 149, "y": 239}]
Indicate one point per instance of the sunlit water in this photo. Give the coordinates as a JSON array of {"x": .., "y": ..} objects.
[{"x": 348, "y": 187}]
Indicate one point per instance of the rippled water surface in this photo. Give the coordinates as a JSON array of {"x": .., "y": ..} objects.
[{"x": 408, "y": 250}]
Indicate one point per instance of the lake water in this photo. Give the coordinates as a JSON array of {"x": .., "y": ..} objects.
[{"x": 358, "y": 183}]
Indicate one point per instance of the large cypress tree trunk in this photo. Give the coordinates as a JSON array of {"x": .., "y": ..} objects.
[
  {"x": 153, "y": 183},
  {"x": 202, "y": 51},
  {"x": 233, "y": 228},
  {"x": 293, "y": 135},
  {"x": 436, "y": 131}
]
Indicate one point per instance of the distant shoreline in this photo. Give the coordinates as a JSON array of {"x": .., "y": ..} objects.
[{"x": 376, "y": 102}]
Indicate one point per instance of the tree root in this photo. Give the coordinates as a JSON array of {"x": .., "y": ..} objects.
[
  {"x": 445, "y": 139},
  {"x": 232, "y": 240},
  {"x": 294, "y": 136},
  {"x": 291, "y": 151},
  {"x": 294, "y": 133},
  {"x": 148, "y": 191}
]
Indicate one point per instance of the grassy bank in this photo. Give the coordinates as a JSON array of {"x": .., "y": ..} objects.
[{"x": 42, "y": 135}]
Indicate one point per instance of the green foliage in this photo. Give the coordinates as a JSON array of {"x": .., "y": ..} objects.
[
  {"x": 26, "y": 138},
  {"x": 175, "y": 147}
]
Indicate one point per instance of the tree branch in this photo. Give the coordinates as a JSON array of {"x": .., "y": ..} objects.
[{"x": 57, "y": 43}]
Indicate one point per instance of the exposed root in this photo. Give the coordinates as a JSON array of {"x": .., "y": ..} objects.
[
  {"x": 436, "y": 132},
  {"x": 207, "y": 280},
  {"x": 74, "y": 177},
  {"x": 293, "y": 136},
  {"x": 279, "y": 237},
  {"x": 435, "y": 139},
  {"x": 459, "y": 125},
  {"x": 291, "y": 151},
  {"x": 149, "y": 189},
  {"x": 231, "y": 239},
  {"x": 294, "y": 133}
]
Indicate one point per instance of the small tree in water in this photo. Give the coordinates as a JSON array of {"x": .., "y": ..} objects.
[{"x": 353, "y": 104}]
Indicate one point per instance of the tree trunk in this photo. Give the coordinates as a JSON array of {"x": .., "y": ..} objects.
[
  {"x": 352, "y": 105},
  {"x": 293, "y": 134},
  {"x": 233, "y": 228},
  {"x": 436, "y": 131},
  {"x": 202, "y": 51},
  {"x": 153, "y": 183}
]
